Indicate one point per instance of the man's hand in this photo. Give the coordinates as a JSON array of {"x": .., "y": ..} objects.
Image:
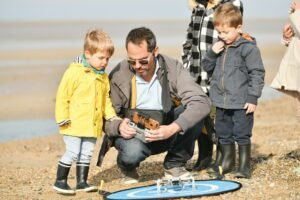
[
  {"x": 250, "y": 108},
  {"x": 162, "y": 133},
  {"x": 218, "y": 47},
  {"x": 125, "y": 130}
]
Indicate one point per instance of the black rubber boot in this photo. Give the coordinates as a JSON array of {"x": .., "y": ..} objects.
[
  {"x": 244, "y": 170},
  {"x": 217, "y": 162},
  {"x": 61, "y": 185},
  {"x": 205, "y": 148},
  {"x": 82, "y": 171},
  {"x": 228, "y": 157}
]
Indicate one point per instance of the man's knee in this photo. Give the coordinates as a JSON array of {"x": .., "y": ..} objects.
[
  {"x": 131, "y": 153},
  {"x": 195, "y": 131}
]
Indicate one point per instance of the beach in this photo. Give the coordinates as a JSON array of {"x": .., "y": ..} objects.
[{"x": 30, "y": 74}]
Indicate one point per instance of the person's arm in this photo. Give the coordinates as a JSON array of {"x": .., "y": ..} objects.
[
  {"x": 118, "y": 127},
  {"x": 109, "y": 111},
  {"x": 63, "y": 98},
  {"x": 287, "y": 34},
  {"x": 256, "y": 73},
  {"x": 195, "y": 102},
  {"x": 287, "y": 31},
  {"x": 187, "y": 45},
  {"x": 111, "y": 126},
  {"x": 210, "y": 59}
]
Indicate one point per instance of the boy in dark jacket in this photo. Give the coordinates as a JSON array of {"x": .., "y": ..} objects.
[
  {"x": 200, "y": 36},
  {"x": 237, "y": 82}
]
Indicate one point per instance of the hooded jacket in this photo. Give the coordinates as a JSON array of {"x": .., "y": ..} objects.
[
  {"x": 195, "y": 102},
  {"x": 237, "y": 74},
  {"x": 83, "y": 99}
]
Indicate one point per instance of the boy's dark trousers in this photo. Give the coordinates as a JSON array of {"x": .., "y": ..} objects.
[{"x": 234, "y": 125}]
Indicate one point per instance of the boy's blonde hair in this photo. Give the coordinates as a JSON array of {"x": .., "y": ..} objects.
[
  {"x": 97, "y": 40},
  {"x": 228, "y": 14}
]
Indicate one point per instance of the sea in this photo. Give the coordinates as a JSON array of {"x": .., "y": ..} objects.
[{"x": 19, "y": 38}]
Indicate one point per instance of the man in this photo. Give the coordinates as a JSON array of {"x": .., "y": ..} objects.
[{"x": 146, "y": 80}]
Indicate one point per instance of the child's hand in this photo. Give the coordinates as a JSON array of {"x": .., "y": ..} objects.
[
  {"x": 218, "y": 47},
  {"x": 250, "y": 108},
  {"x": 64, "y": 123}
]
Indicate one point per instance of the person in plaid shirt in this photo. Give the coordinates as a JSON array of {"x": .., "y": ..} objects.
[{"x": 201, "y": 34}]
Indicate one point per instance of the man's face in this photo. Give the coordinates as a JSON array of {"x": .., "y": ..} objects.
[{"x": 142, "y": 61}]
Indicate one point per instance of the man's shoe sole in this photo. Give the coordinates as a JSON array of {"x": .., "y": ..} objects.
[{"x": 130, "y": 182}]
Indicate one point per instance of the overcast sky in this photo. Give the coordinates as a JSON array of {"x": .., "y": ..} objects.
[{"x": 28, "y": 10}]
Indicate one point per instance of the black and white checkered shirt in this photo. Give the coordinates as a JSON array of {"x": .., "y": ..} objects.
[{"x": 200, "y": 36}]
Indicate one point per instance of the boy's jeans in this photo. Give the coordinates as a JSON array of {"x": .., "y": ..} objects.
[{"x": 78, "y": 149}]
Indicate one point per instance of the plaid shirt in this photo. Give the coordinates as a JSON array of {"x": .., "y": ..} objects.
[{"x": 200, "y": 36}]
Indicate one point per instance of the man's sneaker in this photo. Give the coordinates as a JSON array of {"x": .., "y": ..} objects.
[
  {"x": 130, "y": 177},
  {"x": 177, "y": 172}
]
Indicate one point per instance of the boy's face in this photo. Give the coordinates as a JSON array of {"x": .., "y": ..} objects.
[
  {"x": 98, "y": 60},
  {"x": 229, "y": 34}
]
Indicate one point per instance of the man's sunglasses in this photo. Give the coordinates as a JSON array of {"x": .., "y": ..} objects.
[{"x": 141, "y": 61}]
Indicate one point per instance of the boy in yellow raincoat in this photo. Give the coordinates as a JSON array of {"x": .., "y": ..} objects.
[{"x": 82, "y": 102}]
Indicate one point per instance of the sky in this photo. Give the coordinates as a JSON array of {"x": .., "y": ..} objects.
[{"x": 40, "y": 10}]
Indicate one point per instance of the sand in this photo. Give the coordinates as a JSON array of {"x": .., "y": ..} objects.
[{"x": 28, "y": 167}]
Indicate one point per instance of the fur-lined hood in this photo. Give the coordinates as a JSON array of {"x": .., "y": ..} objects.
[{"x": 193, "y": 3}]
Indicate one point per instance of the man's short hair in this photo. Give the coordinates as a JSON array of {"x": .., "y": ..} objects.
[
  {"x": 138, "y": 35},
  {"x": 97, "y": 40},
  {"x": 228, "y": 14}
]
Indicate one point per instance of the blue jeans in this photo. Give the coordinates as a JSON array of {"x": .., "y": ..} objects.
[
  {"x": 180, "y": 149},
  {"x": 78, "y": 149}
]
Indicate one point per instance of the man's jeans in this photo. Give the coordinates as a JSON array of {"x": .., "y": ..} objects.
[{"x": 180, "y": 149}]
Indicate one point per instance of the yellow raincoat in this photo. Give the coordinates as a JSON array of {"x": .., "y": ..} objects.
[{"x": 83, "y": 98}]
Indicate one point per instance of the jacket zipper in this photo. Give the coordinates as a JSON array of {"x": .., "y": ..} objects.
[{"x": 223, "y": 75}]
